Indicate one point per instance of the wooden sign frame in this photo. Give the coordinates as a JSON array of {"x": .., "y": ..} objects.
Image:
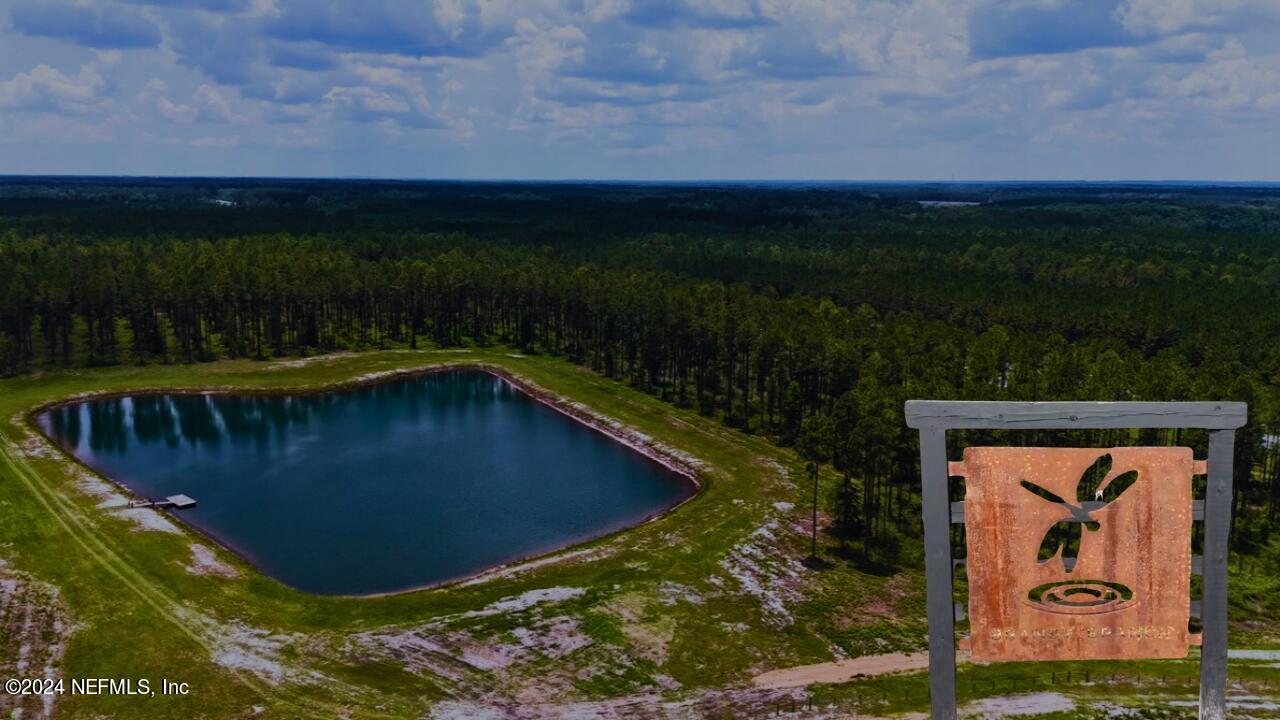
[{"x": 933, "y": 418}]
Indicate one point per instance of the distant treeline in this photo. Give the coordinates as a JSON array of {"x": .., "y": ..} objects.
[{"x": 814, "y": 336}]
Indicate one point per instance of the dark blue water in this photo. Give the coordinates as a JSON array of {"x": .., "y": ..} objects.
[{"x": 383, "y": 488}]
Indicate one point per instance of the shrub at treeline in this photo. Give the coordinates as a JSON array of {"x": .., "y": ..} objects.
[{"x": 813, "y": 334}]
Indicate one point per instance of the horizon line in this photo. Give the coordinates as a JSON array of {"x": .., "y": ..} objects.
[{"x": 641, "y": 181}]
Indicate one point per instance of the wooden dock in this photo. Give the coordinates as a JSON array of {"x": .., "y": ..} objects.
[
  {"x": 180, "y": 501},
  {"x": 177, "y": 502}
]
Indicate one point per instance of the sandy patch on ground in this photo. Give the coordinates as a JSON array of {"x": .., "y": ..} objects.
[
  {"x": 764, "y": 565},
  {"x": 650, "y": 639},
  {"x": 474, "y": 664},
  {"x": 108, "y": 495},
  {"x": 553, "y": 638},
  {"x": 381, "y": 374},
  {"x": 648, "y": 706},
  {"x": 763, "y": 568},
  {"x": 631, "y": 707},
  {"x": 1237, "y": 702},
  {"x": 506, "y": 571},
  {"x": 466, "y": 658},
  {"x": 526, "y": 600},
  {"x": 303, "y": 362},
  {"x": 205, "y": 562},
  {"x": 670, "y": 593},
  {"x": 35, "y": 627},
  {"x": 148, "y": 519},
  {"x": 35, "y": 446},
  {"x": 258, "y": 651},
  {"x": 449, "y": 656},
  {"x": 1015, "y": 705},
  {"x": 1253, "y": 654},
  {"x": 648, "y": 634}
]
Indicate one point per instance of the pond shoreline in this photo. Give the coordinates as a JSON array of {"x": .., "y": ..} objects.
[{"x": 686, "y": 466}]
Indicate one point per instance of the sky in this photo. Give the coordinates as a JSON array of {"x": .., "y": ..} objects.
[{"x": 643, "y": 89}]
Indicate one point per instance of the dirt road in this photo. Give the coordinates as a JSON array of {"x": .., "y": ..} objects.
[{"x": 842, "y": 670}]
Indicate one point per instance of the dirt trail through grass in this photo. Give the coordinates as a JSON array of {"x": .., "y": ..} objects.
[
  {"x": 204, "y": 631},
  {"x": 34, "y": 628}
]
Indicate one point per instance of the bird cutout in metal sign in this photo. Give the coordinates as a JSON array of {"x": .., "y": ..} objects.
[
  {"x": 1065, "y": 540},
  {"x": 1103, "y": 575}
]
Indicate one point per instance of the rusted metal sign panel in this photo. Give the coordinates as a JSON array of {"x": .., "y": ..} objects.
[{"x": 1125, "y": 513}]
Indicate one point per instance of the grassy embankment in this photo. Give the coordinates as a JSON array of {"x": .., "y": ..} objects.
[
  {"x": 702, "y": 598},
  {"x": 660, "y": 607}
]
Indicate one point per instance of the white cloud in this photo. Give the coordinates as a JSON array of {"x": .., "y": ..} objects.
[
  {"x": 1229, "y": 81},
  {"x": 217, "y": 104},
  {"x": 154, "y": 94},
  {"x": 365, "y": 101},
  {"x": 1166, "y": 17},
  {"x": 45, "y": 88}
]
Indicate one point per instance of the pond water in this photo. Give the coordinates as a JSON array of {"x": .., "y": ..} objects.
[{"x": 387, "y": 487}]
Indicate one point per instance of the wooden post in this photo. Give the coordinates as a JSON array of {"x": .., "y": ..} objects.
[
  {"x": 1213, "y": 607},
  {"x": 936, "y": 511}
]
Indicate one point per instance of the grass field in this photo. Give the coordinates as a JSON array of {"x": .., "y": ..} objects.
[{"x": 678, "y": 613}]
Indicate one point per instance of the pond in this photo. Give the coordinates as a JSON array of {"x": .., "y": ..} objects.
[{"x": 404, "y": 484}]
